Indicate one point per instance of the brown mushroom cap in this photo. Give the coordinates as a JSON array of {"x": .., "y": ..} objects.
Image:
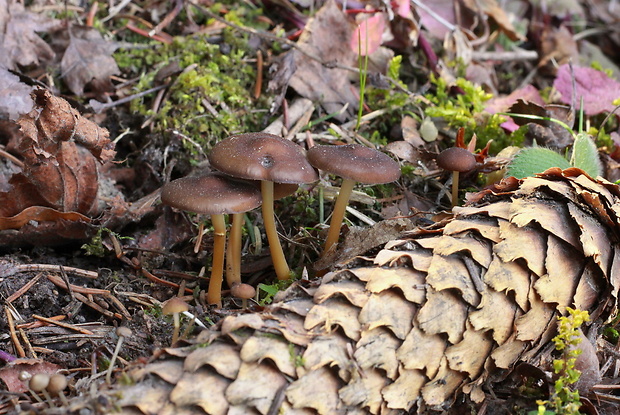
[
  {"x": 355, "y": 162},
  {"x": 262, "y": 156},
  {"x": 243, "y": 291},
  {"x": 456, "y": 159},
  {"x": 57, "y": 383},
  {"x": 174, "y": 305},
  {"x": 211, "y": 194}
]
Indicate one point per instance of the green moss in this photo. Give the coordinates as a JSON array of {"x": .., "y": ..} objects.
[
  {"x": 466, "y": 109},
  {"x": 212, "y": 97}
]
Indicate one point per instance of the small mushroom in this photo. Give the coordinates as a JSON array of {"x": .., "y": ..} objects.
[
  {"x": 216, "y": 195},
  {"x": 174, "y": 307},
  {"x": 38, "y": 384},
  {"x": 57, "y": 384},
  {"x": 354, "y": 163},
  {"x": 243, "y": 291},
  {"x": 457, "y": 160},
  {"x": 122, "y": 333},
  {"x": 268, "y": 158}
]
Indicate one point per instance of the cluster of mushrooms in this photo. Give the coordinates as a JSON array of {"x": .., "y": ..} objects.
[{"x": 253, "y": 169}]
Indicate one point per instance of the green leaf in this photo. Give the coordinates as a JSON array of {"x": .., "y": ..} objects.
[
  {"x": 585, "y": 155},
  {"x": 532, "y": 160}
]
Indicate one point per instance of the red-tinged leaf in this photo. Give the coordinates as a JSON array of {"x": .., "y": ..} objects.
[
  {"x": 10, "y": 373},
  {"x": 367, "y": 36},
  {"x": 39, "y": 214},
  {"x": 597, "y": 90}
]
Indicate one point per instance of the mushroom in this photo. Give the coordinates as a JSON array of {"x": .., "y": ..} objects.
[
  {"x": 57, "y": 384},
  {"x": 38, "y": 384},
  {"x": 457, "y": 160},
  {"x": 268, "y": 158},
  {"x": 174, "y": 307},
  {"x": 216, "y": 195},
  {"x": 243, "y": 291},
  {"x": 122, "y": 333},
  {"x": 354, "y": 163}
]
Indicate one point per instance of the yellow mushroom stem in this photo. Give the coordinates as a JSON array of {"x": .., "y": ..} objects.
[
  {"x": 455, "y": 188},
  {"x": 214, "y": 294},
  {"x": 277, "y": 255},
  {"x": 338, "y": 215},
  {"x": 233, "y": 253}
]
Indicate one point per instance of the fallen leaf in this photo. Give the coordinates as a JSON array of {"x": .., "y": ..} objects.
[
  {"x": 88, "y": 61},
  {"x": 10, "y": 373},
  {"x": 367, "y": 36},
  {"x": 327, "y": 37},
  {"x": 19, "y": 42},
  {"x": 14, "y": 96},
  {"x": 594, "y": 88}
]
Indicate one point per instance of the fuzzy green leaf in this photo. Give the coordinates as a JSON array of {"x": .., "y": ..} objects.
[
  {"x": 585, "y": 155},
  {"x": 532, "y": 160}
]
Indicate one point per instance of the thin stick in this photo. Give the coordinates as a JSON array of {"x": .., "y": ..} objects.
[
  {"x": 19, "y": 350},
  {"x": 62, "y": 324}
]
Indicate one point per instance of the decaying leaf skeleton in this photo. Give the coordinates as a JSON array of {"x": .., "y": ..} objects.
[{"x": 435, "y": 315}]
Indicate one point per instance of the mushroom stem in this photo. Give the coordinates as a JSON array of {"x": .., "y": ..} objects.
[
  {"x": 233, "y": 253},
  {"x": 338, "y": 215},
  {"x": 176, "y": 319},
  {"x": 214, "y": 295},
  {"x": 455, "y": 188},
  {"x": 277, "y": 255}
]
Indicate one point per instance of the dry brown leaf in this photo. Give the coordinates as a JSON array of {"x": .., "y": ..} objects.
[
  {"x": 57, "y": 173},
  {"x": 15, "y": 97},
  {"x": 19, "y": 42},
  {"x": 10, "y": 373},
  {"x": 88, "y": 61},
  {"x": 327, "y": 37}
]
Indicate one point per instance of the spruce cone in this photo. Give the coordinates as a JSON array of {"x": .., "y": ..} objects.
[{"x": 438, "y": 313}]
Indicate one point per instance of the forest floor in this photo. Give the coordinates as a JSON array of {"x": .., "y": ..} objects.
[{"x": 119, "y": 98}]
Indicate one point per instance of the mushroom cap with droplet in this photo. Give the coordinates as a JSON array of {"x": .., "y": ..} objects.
[
  {"x": 262, "y": 156},
  {"x": 211, "y": 194},
  {"x": 355, "y": 162},
  {"x": 456, "y": 159},
  {"x": 174, "y": 305}
]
